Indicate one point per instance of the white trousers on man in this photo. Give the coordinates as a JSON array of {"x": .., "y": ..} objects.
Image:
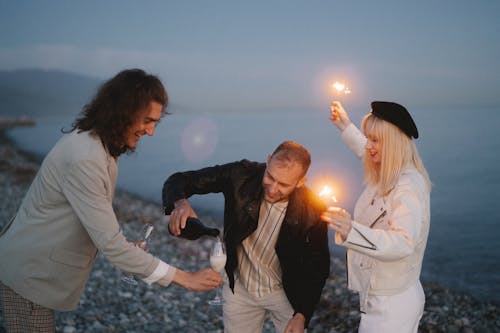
[
  {"x": 245, "y": 313},
  {"x": 398, "y": 313}
]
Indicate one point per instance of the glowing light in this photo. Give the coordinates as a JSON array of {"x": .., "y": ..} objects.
[
  {"x": 341, "y": 88},
  {"x": 327, "y": 193},
  {"x": 338, "y": 86}
]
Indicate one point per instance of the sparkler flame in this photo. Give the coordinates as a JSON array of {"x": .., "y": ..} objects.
[
  {"x": 341, "y": 88},
  {"x": 338, "y": 86},
  {"x": 326, "y": 192}
]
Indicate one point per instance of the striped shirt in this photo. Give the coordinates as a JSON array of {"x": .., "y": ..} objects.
[{"x": 258, "y": 265}]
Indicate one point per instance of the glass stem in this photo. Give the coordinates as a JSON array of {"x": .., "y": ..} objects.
[{"x": 217, "y": 293}]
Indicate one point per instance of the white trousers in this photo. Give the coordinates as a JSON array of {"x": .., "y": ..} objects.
[
  {"x": 245, "y": 313},
  {"x": 398, "y": 313}
]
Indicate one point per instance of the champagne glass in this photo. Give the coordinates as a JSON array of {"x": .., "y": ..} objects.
[
  {"x": 218, "y": 262},
  {"x": 142, "y": 242}
]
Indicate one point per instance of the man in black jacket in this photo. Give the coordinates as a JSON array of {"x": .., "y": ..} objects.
[{"x": 277, "y": 246}]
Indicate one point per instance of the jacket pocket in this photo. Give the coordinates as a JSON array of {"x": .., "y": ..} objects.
[
  {"x": 65, "y": 257},
  {"x": 395, "y": 279}
]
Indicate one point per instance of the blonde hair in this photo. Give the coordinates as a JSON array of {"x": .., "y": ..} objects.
[{"x": 398, "y": 152}]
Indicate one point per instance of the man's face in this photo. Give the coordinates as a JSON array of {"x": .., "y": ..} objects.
[
  {"x": 144, "y": 124},
  {"x": 280, "y": 179}
]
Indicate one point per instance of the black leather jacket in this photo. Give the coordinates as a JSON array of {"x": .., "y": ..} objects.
[{"x": 302, "y": 245}]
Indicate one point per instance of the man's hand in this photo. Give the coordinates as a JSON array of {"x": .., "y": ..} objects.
[
  {"x": 179, "y": 215},
  {"x": 141, "y": 244},
  {"x": 296, "y": 324},
  {"x": 204, "y": 280}
]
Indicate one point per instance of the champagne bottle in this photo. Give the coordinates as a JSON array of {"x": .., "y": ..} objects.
[{"x": 194, "y": 229}]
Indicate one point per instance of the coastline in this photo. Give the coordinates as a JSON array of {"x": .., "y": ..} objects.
[{"x": 109, "y": 305}]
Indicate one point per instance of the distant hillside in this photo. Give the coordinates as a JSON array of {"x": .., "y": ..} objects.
[{"x": 35, "y": 92}]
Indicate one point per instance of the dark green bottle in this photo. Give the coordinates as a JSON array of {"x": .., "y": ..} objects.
[{"x": 195, "y": 229}]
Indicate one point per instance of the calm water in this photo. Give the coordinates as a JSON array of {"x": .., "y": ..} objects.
[{"x": 460, "y": 148}]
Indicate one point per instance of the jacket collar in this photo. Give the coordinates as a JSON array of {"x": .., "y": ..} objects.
[{"x": 254, "y": 192}]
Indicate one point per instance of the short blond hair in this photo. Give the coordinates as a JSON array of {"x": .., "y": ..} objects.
[{"x": 398, "y": 152}]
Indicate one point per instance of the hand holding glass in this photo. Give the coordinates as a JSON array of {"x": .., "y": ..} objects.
[
  {"x": 218, "y": 262},
  {"x": 142, "y": 242}
]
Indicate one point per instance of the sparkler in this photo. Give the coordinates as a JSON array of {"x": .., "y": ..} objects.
[
  {"x": 327, "y": 194},
  {"x": 341, "y": 88}
]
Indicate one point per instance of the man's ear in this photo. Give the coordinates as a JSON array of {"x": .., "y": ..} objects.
[
  {"x": 268, "y": 159},
  {"x": 301, "y": 182}
]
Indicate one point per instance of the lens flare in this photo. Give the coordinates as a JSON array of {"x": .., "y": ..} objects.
[{"x": 199, "y": 139}]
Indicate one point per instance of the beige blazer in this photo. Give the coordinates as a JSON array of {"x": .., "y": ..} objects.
[
  {"x": 387, "y": 241},
  {"x": 48, "y": 249}
]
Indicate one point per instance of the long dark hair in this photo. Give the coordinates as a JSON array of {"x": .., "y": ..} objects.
[{"x": 117, "y": 104}]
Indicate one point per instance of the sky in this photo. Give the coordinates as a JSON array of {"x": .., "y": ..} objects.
[{"x": 269, "y": 55}]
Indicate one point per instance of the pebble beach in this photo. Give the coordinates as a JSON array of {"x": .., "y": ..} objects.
[{"x": 110, "y": 305}]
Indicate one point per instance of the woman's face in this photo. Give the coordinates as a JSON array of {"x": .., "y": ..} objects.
[{"x": 374, "y": 148}]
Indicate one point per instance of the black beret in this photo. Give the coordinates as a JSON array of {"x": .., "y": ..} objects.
[{"x": 397, "y": 115}]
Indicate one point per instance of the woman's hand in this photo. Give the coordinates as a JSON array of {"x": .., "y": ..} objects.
[
  {"x": 339, "y": 220},
  {"x": 338, "y": 116}
]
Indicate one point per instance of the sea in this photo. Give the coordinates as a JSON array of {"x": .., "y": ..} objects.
[{"x": 460, "y": 148}]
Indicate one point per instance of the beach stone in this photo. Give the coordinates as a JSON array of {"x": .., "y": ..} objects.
[
  {"x": 69, "y": 329},
  {"x": 465, "y": 321},
  {"x": 98, "y": 327},
  {"x": 126, "y": 294}
]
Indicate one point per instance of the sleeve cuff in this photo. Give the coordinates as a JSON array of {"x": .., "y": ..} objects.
[
  {"x": 354, "y": 139},
  {"x": 163, "y": 271},
  {"x": 359, "y": 237},
  {"x": 338, "y": 240}
]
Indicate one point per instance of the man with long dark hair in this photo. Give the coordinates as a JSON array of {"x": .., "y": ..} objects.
[{"x": 48, "y": 248}]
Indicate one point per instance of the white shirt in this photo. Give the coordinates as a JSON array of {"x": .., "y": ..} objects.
[{"x": 258, "y": 265}]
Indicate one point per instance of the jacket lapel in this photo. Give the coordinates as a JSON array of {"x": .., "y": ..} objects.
[{"x": 251, "y": 207}]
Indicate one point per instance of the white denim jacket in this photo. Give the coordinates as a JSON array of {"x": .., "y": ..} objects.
[{"x": 389, "y": 233}]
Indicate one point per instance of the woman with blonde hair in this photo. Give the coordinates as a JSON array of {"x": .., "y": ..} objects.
[{"x": 386, "y": 239}]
